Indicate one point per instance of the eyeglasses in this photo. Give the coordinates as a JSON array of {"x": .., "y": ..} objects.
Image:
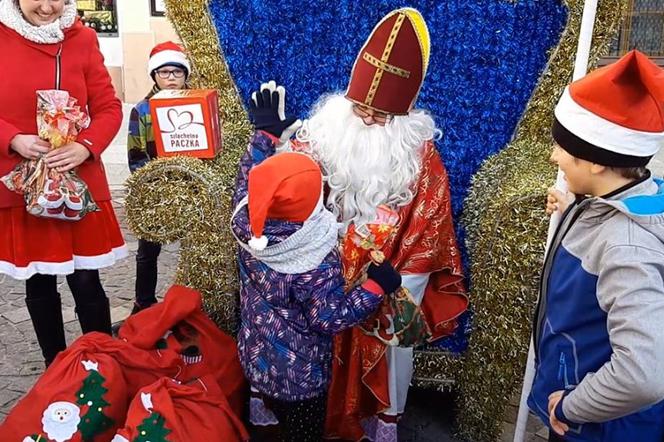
[
  {"x": 378, "y": 117},
  {"x": 165, "y": 73}
]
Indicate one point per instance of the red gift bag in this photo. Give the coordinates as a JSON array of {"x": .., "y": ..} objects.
[
  {"x": 178, "y": 325},
  {"x": 173, "y": 412},
  {"x": 84, "y": 394}
]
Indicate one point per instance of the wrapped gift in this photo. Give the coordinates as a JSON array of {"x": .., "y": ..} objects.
[
  {"x": 399, "y": 321},
  {"x": 186, "y": 122},
  {"x": 360, "y": 241},
  {"x": 47, "y": 192}
]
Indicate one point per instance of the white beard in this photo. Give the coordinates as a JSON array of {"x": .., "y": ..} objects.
[
  {"x": 60, "y": 421},
  {"x": 365, "y": 166}
]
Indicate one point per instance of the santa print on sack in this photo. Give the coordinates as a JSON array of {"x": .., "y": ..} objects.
[
  {"x": 61, "y": 420},
  {"x": 188, "y": 339}
]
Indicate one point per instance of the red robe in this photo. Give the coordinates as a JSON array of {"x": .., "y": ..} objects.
[{"x": 424, "y": 243}]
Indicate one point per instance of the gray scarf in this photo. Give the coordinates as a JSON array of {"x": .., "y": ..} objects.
[
  {"x": 12, "y": 17},
  {"x": 304, "y": 250}
]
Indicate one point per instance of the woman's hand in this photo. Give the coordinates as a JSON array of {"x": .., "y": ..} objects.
[
  {"x": 67, "y": 157},
  {"x": 29, "y": 147}
]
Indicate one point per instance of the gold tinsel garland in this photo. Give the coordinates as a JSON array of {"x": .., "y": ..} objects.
[
  {"x": 506, "y": 228},
  {"x": 189, "y": 200}
]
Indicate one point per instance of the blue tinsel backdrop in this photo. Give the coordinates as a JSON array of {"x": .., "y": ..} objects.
[{"x": 486, "y": 58}]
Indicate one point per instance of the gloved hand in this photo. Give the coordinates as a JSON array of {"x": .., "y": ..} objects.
[
  {"x": 267, "y": 112},
  {"x": 385, "y": 276}
]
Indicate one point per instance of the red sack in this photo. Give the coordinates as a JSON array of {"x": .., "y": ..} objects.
[
  {"x": 84, "y": 394},
  {"x": 178, "y": 325},
  {"x": 168, "y": 411}
]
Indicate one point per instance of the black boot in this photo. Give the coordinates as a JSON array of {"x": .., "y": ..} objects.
[
  {"x": 46, "y": 315},
  {"x": 95, "y": 316}
]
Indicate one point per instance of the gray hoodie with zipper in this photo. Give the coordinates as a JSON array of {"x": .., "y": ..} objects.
[{"x": 599, "y": 325}]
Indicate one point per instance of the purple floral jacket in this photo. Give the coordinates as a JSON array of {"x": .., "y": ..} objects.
[{"x": 288, "y": 320}]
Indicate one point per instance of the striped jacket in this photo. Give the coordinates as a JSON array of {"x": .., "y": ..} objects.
[{"x": 140, "y": 139}]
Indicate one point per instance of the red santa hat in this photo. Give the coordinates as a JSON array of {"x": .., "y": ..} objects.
[
  {"x": 287, "y": 186},
  {"x": 390, "y": 68},
  {"x": 168, "y": 54},
  {"x": 614, "y": 116}
]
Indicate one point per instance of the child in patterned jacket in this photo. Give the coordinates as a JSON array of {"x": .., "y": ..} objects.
[{"x": 292, "y": 295}]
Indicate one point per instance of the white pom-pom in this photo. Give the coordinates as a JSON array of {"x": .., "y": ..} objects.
[{"x": 258, "y": 243}]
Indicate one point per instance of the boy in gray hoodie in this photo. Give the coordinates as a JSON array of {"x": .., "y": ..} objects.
[{"x": 598, "y": 331}]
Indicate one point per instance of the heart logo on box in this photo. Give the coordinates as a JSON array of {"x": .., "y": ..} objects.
[{"x": 178, "y": 121}]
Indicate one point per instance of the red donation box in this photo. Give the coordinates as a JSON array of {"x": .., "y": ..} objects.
[{"x": 186, "y": 122}]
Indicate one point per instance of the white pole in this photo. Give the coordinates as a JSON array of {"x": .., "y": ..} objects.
[{"x": 580, "y": 69}]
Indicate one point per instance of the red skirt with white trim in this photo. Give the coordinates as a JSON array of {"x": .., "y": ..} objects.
[{"x": 30, "y": 245}]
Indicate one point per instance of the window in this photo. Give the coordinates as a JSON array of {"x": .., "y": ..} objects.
[
  {"x": 157, "y": 8},
  {"x": 642, "y": 29},
  {"x": 100, "y": 15}
]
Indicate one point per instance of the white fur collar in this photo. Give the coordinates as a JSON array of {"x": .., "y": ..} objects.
[{"x": 11, "y": 16}]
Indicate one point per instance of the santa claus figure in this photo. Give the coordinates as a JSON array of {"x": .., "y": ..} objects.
[
  {"x": 388, "y": 187},
  {"x": 60, "y": 422},
  {"x": 383, "y": 174}
]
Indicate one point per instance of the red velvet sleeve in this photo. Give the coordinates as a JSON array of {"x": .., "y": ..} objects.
[
  {"x": 7, "y": 133},
  {"x": 104, "y": 107}
]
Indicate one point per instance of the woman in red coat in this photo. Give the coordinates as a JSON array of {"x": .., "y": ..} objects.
[{"x": 47, "y": 47}]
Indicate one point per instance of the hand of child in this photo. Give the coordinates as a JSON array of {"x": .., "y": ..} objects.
[
  {"x": 557, "y": 200},
  {"x": 385, "y": 276},
  {"x": 29, "y": 147},
  {"x": 267, "y": 112},
  {"x": 67, "y": 157},
  {"x": 558, "y": 427}
]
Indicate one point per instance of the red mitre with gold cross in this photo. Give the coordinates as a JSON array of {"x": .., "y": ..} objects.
[{"x": 390, "y": 68}]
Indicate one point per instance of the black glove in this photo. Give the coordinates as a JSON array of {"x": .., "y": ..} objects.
[
  {"x": 385, "y": 276},
  {"x": 266, "y": 110}
]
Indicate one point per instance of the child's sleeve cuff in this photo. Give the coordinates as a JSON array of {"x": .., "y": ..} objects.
[
  {"x": 275, "y": 140},
  {"x": 372, "y": 286},
  {"x": 560, "y": 415}
]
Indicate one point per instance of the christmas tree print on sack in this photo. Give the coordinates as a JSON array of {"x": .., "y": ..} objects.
[
  {"x": 170, "y": 411},
  {"x": 62, "y": 420},
  {"x": 91, "y": 395},
  {"x": 152, "y": 429},
  {"x": 99, "y": 376}
]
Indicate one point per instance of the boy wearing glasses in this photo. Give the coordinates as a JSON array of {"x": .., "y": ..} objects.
[{"x": 169, "y": 68}]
